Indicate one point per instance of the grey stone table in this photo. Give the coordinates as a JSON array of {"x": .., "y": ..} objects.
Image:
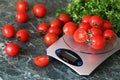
[{"x": 21, "y": 67}]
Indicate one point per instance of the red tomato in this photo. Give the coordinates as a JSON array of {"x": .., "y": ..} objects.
[
  {"x": 43, "y": 27},
  {"x": 109, "y": 35},
  {"x": 96, "y": 21},
  {"x": 84, "y": 26},
  {"x": 95, "y": 31},
  {"x": 55, "y": 30},
  {"x": 12, "y": 49},
  {"x": 22, "y": 35},
  {"x": 56, "y": 23},
  {"x": 85, "y": 19},
  {"x": 21, "y": 16},
  {"x": 41, "y": 61},
  {"x": 64, "y": 18},
  {"x": 106, "y": 25},
  {"x": 69, "y": 28},
  {"x": 50, "y": 38},
  {"x": 80, "y": 36},
  {"x": 21, "y": 5},
  {"x": 8, "y": 30},
  {"x": 39, "y": 10},
  {"x": 97, "y": 42}
]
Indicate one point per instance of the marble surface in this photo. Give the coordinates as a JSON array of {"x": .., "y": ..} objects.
[{"x": 21, "y": 67}]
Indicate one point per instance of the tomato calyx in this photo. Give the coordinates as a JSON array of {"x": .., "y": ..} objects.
[
  {"x": 18, "y": 38},
  {"x": 41, "y": 32},
  {"x": 90, "y": 33},
  {"x": 22, "y": 35},
  {"x": 95, "y": 25},
  {"x": 108, "y": 38}
]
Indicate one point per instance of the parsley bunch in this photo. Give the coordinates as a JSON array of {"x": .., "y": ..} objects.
[{"x": 107, "y": 9}]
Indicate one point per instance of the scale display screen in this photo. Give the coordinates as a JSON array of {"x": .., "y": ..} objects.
[{"x": 69, "y": 56}]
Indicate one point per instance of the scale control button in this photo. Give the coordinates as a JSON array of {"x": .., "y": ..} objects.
[
  {"x": 69, "y": 56},
  {"x": 79, "y": 63},
  {"x": 58, "y": 51}
]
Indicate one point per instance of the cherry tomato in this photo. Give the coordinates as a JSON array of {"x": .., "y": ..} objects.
[
  {"x": 50, "y": 38},
  {"x": 21, "y": 16},
  {"x": 69, "y": 28},
  {"x": 97, "y": 42},
  {"x": 12, "y": 49},
  {"x": 43, "y": 27},
  {"x": 95, "y": 31},
  {"x": 84, "y": 26},
  {"x": 55, "y": 30},
  {"x": 21, "y": 5},
  {"x": 56, "y": 23},
  {"x": 41, "y": 61},
  {"x": 85, "y": 19},
  {"x": 8, "y": 30},
  {"x": 64, "y": 18},
  {"x": 96, "y": 21},
  {"x": 22, "y": 35},
  {"x": 109, "y": 35},
  {"x": 106, "y": 25},
  {"x": 80, "y": 36},
  {"x": 39, "y": 10}
]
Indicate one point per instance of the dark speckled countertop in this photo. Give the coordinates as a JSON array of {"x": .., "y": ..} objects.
[{"x": 21, "y": 67}]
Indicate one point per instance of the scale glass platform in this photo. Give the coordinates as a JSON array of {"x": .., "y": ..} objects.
[{"x": 80, "y": 57}]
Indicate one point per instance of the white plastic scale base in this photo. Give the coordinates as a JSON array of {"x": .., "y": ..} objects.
[{"x": 90, "y": 62}]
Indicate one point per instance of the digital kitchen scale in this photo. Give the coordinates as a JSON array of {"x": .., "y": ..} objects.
[{"x": 80, "y": 57}]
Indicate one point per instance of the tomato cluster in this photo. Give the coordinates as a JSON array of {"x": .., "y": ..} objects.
[
  {"x": 8, "y": 30},
  {"x": 54, "y": 29},
  {"x": 39, "y": 10},
  {"x": 92, "y": 30}
]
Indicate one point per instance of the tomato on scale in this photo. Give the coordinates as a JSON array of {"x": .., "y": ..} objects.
[
  {"x": 97, "y": 42},
  {"x": 80, "y": 35},
  {"x": 85, "y": 18},
  {"x": 106, "y": 25},
  {"x": 96, "y": 21},
  {"x": 95, "y": 31},
  {"x": 109, "y": 35},
  {"x": 85, "y": 26}
]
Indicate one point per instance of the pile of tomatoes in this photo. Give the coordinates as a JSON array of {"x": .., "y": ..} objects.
[{"x": 92, "y": 30}]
